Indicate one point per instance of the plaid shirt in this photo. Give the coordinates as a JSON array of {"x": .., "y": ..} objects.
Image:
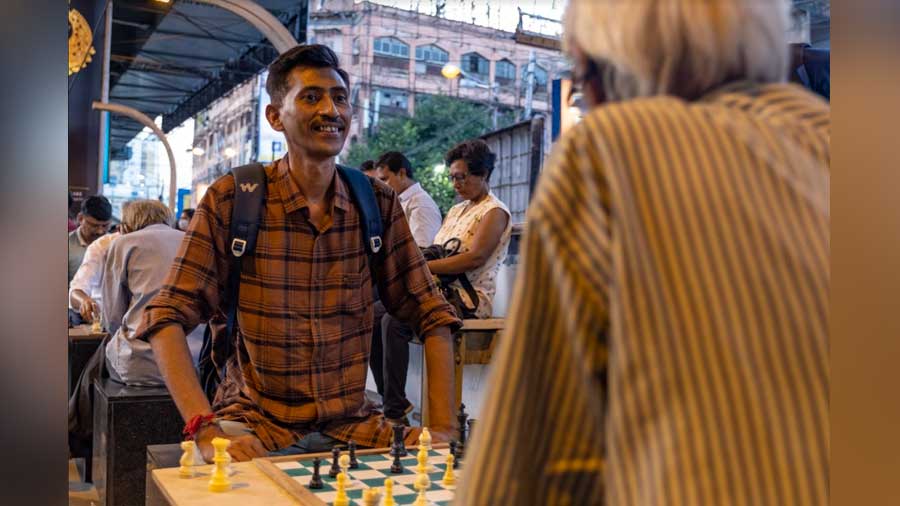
[{"x": 305, "y": 308}]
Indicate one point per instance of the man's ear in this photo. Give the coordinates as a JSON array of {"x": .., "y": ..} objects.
[
  {"x": 273, "y": 115},
  {"x": 79, "y": 218}
]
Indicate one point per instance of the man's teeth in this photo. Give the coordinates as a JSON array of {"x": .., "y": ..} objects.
[{"x": 330, "y": 129}]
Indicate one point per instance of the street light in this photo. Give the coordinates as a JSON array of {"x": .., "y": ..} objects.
[
  {"x": 198, "y": 151},
  {"x": 230, "y": 152},
  {"x": 451, "y": 71}
]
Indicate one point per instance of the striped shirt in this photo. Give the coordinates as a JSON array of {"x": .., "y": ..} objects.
[
  {"x": 305, "y": 320},
  {"x": 668, "y": 337}
]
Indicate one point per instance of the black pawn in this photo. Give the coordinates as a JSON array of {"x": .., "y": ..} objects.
[
  {"x": 397, "y": 466},
  {"x": 398, "y": 447},
  {"x": 354, "y": 464},
  {"x": 316, "y": 481},
  {"x": 453, "y": 450},
  {"x": 335, "y": 467}
]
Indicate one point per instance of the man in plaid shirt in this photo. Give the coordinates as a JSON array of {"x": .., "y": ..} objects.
[{"x": 296, "y": 381}]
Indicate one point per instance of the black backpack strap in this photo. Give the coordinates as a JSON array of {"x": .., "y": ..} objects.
[
  {"x": 370, "y": 214},
  {"x": 246, "y": 215}
]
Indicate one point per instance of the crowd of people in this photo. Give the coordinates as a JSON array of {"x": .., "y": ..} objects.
[{"x": 667, "y": 339}]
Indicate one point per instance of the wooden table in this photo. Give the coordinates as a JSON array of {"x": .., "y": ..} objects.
[
  {"x": 251, "y": 487},
  {"x": 82, "y": 344}
]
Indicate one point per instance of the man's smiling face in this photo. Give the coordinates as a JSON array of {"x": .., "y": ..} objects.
[{"x": 315, "y": 113}]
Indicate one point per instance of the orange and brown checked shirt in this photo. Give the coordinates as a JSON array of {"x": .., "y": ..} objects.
[{"x": 305, "y": 313}]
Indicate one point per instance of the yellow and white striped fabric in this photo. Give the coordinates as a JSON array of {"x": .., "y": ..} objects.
[{"x": 668, "y": 337}]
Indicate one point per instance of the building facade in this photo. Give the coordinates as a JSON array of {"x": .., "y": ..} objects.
[{"x": 393, "y": 56}]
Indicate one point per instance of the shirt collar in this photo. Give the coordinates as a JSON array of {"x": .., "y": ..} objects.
[
  {"x": 78, "y": 236},
  {"x": 291, "y": 196},
  {"x": 409, "y": 192}
]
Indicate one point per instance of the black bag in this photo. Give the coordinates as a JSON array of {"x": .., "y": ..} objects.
[
  {"x": 448, "y": 249},
  {"x": 246, "y": 214}
]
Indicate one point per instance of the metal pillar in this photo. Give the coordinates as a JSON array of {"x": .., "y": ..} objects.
[{"x": 147, "y": 122}]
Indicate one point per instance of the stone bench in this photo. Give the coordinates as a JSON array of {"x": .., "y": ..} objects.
[{"x": 126, "y": 420}]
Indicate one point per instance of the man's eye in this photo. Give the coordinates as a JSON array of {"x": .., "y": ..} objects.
[
  {"x": 311, "y": 97},
  {"x": 340, "y": 99}
]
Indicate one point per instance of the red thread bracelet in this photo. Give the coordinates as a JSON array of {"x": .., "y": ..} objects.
[{"x": 196, "y": 423}]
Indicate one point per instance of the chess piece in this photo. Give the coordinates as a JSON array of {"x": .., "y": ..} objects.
[
  {"x": 341, "y": 499},
  {"x": 388, "y": 493},
  {"x": 471, "y": 428},
  {"x": 187, "y": 460},
  {"x": 316, "y": 481},
  {"x": 370, "y": 497},
  {"x": 425, "y": 438},
  {"x": 219, "y": 481},
  {"x": 422, "y": 459},
  {"x": 228, "y": 469},
  {"x": 354, "y": 464},
  {"x": 449, "y": 478},
  {"x": 422, "y": 483},
  {"x": 399, "y": 446},
  {"x": 453, "y": 450},
  {"x": 461, "y": 417},
  {"x": 344, "y": 463},
  {"x": 335, "y": 467},
  {"x": 397, "y": 466}
]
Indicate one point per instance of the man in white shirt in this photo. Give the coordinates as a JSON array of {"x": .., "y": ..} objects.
[
  {"x": 389, "y": 359},
  {"x": 84, "y": 290},
  {"x": 422, "y": 213}
]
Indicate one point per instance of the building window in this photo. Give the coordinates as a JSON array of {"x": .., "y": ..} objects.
[
  {"x": 432, "y": 54},
  {"x": 540, "y": 79},
  {"x": 504, "y": 72},
  {"x": 476, "y": 65},
  {"x": 389, "y": 46},
  {"x": 430, "y": 59}
]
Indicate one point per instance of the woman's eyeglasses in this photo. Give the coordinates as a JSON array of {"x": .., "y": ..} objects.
[{"x": 460, "y": 178}]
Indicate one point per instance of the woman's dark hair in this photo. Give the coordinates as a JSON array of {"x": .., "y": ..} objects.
[
  {"x": 189, "y": 211},
  {"x": 311, "y": 55},
  {"x": 476, "y": 154},
  {"x": 367, "y": 165}
]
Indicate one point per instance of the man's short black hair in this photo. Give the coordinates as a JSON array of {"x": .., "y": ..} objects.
[
  {"x": 394, "y": 161},
  {"x": 97, "y": 207},
  {"x": 476, "y": 154},
  {"x": 304, "y": 55},
  {"x": 367, "y": 165}
]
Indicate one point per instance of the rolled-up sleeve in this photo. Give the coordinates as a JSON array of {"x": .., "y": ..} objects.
[
  {"x": 193, "y": 288},
  {"x": 405, "y": 284}
]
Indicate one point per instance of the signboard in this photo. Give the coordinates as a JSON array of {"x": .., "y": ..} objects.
[{"x": 271, "y": 143}]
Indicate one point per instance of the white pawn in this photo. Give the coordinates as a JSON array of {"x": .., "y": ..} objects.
[
  {"x": 187, "y": 460},
  {"x": 449, "y": 478},
  {"x": 422, "y": 459},
  {"x": 219, "y": 481},
  {"x": 425, "y": 438},
  {"x": 388, "y": 493},
  {"x": 341, "y": 499},
  {"x": 422, "y": 484}
]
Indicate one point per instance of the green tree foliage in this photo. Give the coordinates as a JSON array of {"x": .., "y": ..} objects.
[{"x": 439, "y": 123}]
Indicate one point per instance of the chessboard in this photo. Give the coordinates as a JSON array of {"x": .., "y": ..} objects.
[{"x": 293, "y": 474}]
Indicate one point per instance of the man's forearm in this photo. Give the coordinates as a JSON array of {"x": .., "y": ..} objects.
[
  {"x": 441, "y": 391},
  {"x": 173, "y": 357}
]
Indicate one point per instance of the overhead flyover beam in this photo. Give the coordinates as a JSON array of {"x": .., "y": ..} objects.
[
  {"x": 259, "y": 17},
  {"x": 142, "y": 118}
]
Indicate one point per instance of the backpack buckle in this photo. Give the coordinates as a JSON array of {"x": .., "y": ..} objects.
[
  {"x": 238, "y": 247},
  {"x": 375, "y": 243}
]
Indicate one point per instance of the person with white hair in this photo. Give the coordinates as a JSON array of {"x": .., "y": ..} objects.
[
  {"x": 136, "y": 265},
  {"x": 667, "y": 342}
]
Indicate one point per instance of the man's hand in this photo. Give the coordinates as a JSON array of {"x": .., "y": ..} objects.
[
  {"x": 88, "y": 309},
  {"x": 242, "y": 448}
]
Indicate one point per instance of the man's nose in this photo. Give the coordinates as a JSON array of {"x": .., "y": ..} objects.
[{"x": 328, "y": 108}]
